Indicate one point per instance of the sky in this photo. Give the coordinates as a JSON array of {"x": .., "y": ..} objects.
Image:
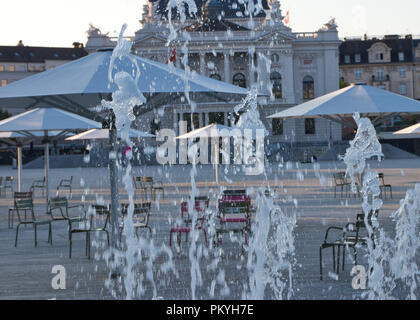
[{"x": 60, "y": 23}]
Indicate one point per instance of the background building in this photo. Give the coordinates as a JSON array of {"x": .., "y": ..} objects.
[
  {"x": 391, "y": 62},
  {"x": 225, "y": 44},
  {"x": 388, "y": 63},
  {"x": 19, "y": 62}
]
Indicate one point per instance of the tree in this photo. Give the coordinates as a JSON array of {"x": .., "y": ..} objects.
[
  {"x": 343, "y": 83},
  {"x": 4, "y": 114}
]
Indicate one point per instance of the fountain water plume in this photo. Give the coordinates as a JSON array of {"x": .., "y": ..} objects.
[
  {"x": 135, "y": 251},
  {"x": 407, "y": 242},
  {"x": 379, "y": 247},
  {"x": 271, "y": 251}
]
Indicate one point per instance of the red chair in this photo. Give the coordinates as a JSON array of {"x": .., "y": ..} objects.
[
  {"x": 200, "y": 207},
  {"x": 234, "y": 215}
]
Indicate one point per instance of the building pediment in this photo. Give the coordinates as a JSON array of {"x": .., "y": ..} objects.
[
  {"x": 276, "y": 36},
  {"x": 153, "y": 40},
  {"x": 379, "y": 46}
]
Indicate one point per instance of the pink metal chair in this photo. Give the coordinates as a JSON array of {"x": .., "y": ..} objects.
[
  {"x": 200, "y": 207},
  {"x": 234, "y": 215}
]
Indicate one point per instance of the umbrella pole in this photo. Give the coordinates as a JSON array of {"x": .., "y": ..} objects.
[
  {"x": 19, "y": 163},
  {"x": 113, "y": 175},
  {"x": 216, "y": 160},
  {"x": 47, "y": 168}
]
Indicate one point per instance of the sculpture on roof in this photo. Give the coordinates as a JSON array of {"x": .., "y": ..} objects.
[
  {"x": 95, "y": 32},
  {"x": 274, "y": 13},
  {"x": 329, "y": 26}
]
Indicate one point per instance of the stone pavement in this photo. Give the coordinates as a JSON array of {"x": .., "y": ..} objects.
[{"x": 26, "y": 271}]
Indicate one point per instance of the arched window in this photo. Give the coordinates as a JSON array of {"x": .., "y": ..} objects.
[
  {"x": 308, "y": 88},
  {"x": 239, "y": 80},
  {"x": 215, "y": 76},
  {"x": 275, "y": 78},
  {"x": 154, "y": 126},
  {"x": 275, "y": 58}
]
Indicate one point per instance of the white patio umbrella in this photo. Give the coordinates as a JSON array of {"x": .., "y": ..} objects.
[
  {"x": 341, "y": 104},
  {"x": 17, "y": 140},
  {"x": 82, "y": 84},
  {"x": 103, "y": 134},
  {"x": 212, "y": 131},
  {"x": 44, "y": 121},
  {"x": 410, "y": 130}
]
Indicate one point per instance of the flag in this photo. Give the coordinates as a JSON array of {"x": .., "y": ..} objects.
[
  {"x": 286, "y": 19},
  {"x": 172, "y": 57}
]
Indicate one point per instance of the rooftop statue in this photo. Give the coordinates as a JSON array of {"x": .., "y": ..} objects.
[
  {"x": 329, "y": 26},
  {"x": 95, "y": 32}
]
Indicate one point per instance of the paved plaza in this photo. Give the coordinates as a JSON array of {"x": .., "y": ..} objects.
[{"x": 26, "y": 271}]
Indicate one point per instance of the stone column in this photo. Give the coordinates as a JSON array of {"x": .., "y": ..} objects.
[
  {"x": 288, "y": 81},
  {"x": 175, "y": 121},
  {"x": 202, "y": 62},
  {"x": 251, "y": 69},
  {"x": 178, "y": 59},
  {"x": 207, "y": 119},
  {"x": 225, "y": 118},
  {"x": 226, "y": 57},
  {"x": 181, "y": 118},
  {"x": 263, "y": 75}
]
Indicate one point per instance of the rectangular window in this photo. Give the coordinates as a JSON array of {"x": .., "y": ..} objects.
[
  {"x": 1, "y": 68},
  {"x": 196, "y": 121},
  {"x": 358, "y": 74},
  {"x": 3, "y": 83},
  {"x": 31, "y": 68},
  {"x": 12, "y": 68},
  {"x": 401, "y": 56},
  {"x": 217, "y": 117},
  {"x": 309, "y": 126},
  {"x": 403, "y": 89},
  {"x": 357, "y": 58},
  {"x": 402, "y": 72},
  {"x": 277, "y": 127},
  {"x": 347, "y": 59},
  {"x": 187, "y": 118},
  {"x": 380, "y": 74}
]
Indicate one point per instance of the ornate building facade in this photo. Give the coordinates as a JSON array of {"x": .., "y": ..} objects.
[{"x": 223, "y": 42}]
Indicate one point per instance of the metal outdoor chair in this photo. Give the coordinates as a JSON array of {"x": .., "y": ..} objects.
[
  {"x": 141, "y": 217},
  {"x": 12, "y": 210},
  {"x": 154, "y": 186},
  {"x": 201, "y": 205},
  {"x": 2, "y": 186},
  {"x": 60, "y": 211},
  {"x": 8, "y": 184},
  {"x": 341, "y": 182},
  {"x": 234, "y": 214},
  {"x": 96, "y": 220},
  {"x": 24, "y": 202},
  {"x": 139, "y": 186},
  {"x": 38, "y": 184},
  {"x": 353, "y": 235},
  {"x": 384, "y": 186},
  {"x": 65, "y": 184}
]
